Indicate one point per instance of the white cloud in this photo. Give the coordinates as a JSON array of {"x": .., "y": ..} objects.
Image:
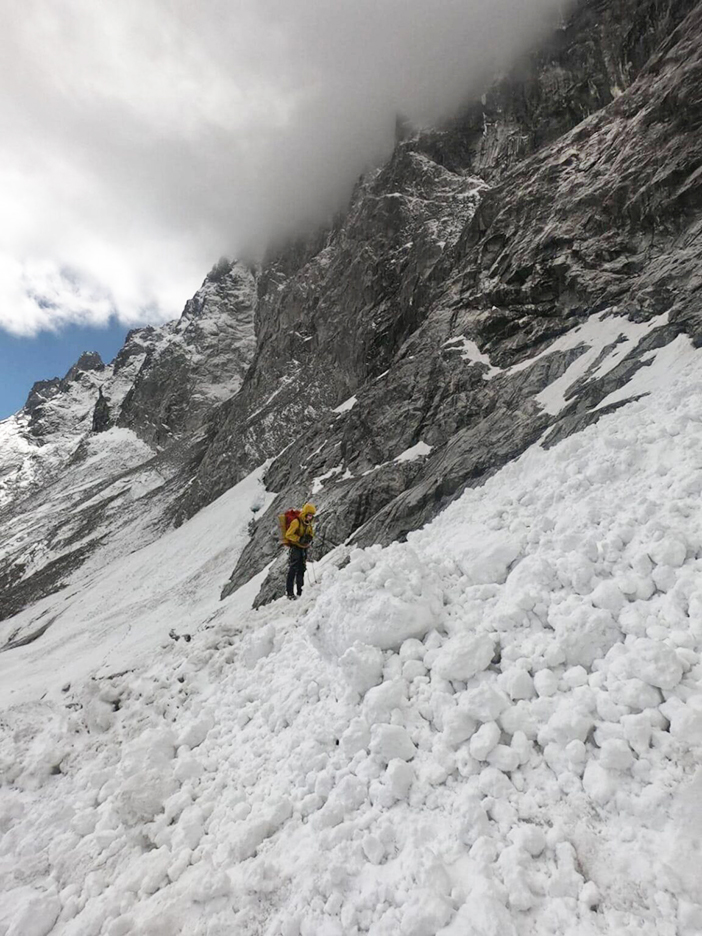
[{"x": 143, "y": 139}]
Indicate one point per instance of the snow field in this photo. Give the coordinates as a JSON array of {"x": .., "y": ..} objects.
[
  {"x": 113, "y": 614},
  {"x": 494, "y": 729}
]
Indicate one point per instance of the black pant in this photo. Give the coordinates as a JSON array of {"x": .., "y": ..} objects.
[{"x": 296, "y": 569}]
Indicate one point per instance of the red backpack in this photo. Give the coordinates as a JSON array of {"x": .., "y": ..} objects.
[{"x": 285, "y": 519}]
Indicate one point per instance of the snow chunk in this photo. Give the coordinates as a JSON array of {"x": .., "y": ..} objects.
[
  {"x": 685, "y": 720},
  {"x": 584, "y": 633},
  {"x": 669, "y": 551},
  {"x": 380, "y": 604},
  {"x": 362, "y": 666},
  {"x": 463, "y": 656},
  {"x": 484, "y": 703},
  {"x": 484, "y": 740},
  {"x": 615, "y": 754},
  {"x": 598, "y": 783},
  {"x": 196, "y": 731},
  {"x": 565, "y": 725},
  {"x": 651, "y": 661},
  {"x": 400, "y": 776},
  {"x": 458, "y": 726},
  {"x": 381, "y": 701},
  {"x": 390, "y": 742},
  {"x": 545, "y": 683},
  {"x": 490, "y": 560},
  {"x": 518, "y": 684},
  {"x": 35, "y": 917}
]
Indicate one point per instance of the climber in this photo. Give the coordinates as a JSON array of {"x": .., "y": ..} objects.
[{"x": 298, "y": 536}]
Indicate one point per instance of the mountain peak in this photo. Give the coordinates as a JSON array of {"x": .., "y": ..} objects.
[{"x": 88, "y": 361}]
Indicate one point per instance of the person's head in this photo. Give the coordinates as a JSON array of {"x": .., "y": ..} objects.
[{"x": 308, "y": 511}]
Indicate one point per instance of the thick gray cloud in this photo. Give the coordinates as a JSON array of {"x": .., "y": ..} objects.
[{"x": 144, "y": 138}]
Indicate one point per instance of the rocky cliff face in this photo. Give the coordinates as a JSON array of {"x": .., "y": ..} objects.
[
  {"x": 499, "y": 281},
  {"x": 584, "y": 169}
]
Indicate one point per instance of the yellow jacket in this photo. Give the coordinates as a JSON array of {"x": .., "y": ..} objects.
[{"x": 300, "y": 533}]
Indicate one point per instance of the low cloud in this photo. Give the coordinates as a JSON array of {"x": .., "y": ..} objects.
[{"x": 143, "y": 139}]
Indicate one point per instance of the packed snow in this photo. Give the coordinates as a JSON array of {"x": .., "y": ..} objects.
[
  {"x": 493, "y": 729},
  {"x": 346, "y": 405},
  {"x": 420, "y": 450},
  {"x": 604, "y": 340}
]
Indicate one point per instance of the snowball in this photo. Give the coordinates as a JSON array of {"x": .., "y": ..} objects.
[
  {"x": 615, "y": 754},
  {"x": 399, "y": 777},
  {"x": 355, "y": 738},
  {"x": 412, "y": 649},
  {"x": 669, "y": 551},
  {"x": 607, "y": 595},
  {"x": 530, "y": 838},
  {"x": 518, "y": 684},
  {"x": 576, "y": 752},
  {"x": 651, "y": 661},
  {"x": 484, "y": 740},
  {"x": 488, "y": 561},
  {"x": 391, "y": 741},
  {"x": 545, "y": 682},
  {"x": 381, "y": 701},
  {"x": 522, "y": 745},
  {"x": 637, "y": 731},
  {"x": 664, "y": 577},
  {"x": 142, "y": 795},
  {"x": 598, "y": 783},
  {"x": 492, "y": 782},
  {"x": 458, "y": 726},
  {"x": 566, "y": 724},
  {"x": 575, "y": 676},
  {"x": 585, "y": 633},
  {"x": 633, "y": 693},
  {"x": 504, "y": 758},
  {"x": 463, "y": 656},
  {"x": 484, "y": 703},
  {"x": 362, "y": 666},
  {"x": 686, "y": 724},
  {"x": 520, "y": 717}
]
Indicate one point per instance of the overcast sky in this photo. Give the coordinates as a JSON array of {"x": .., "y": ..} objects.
[{"x": 143, "y": 139}]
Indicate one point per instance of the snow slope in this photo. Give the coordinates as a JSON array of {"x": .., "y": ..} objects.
[
  {"x": 493, "y": 729},
  {"x": 112, "y": 614}
]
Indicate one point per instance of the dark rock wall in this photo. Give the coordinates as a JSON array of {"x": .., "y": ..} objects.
[{"x": 591, "y": 155}]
